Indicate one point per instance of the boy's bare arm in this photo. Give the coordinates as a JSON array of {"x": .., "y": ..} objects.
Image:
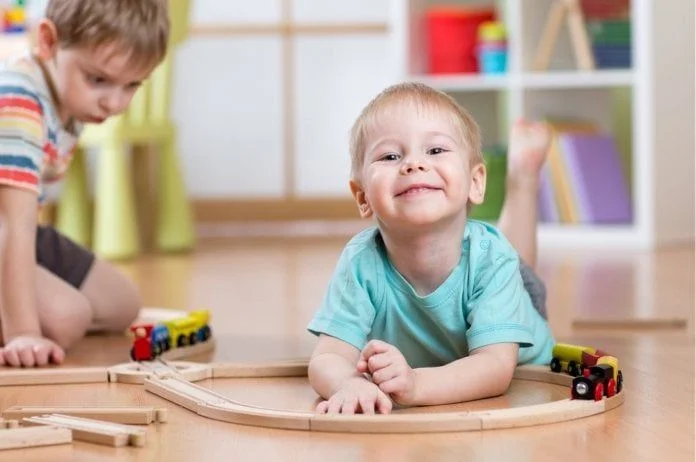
[
  {"x": 486, "y": 372},
  {"x": 24, "y": 345},
  {"x": 331, "y": 365},
  {"x": 18, "y": 221}
]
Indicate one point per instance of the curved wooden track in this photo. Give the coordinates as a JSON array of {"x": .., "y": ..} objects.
[
  {"x": 174, "y": 382},
  {"x": 178, "y": 389}
]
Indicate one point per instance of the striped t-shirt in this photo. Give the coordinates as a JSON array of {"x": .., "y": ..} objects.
[{"x": 35, "y": 148}]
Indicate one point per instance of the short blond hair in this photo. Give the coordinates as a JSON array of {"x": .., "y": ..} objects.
[
  {"x": 423, "y": 96},
  {"x": 139, "y": 27}
]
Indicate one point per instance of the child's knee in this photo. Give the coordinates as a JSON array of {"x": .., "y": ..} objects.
[{"x": 67, "y": 319}]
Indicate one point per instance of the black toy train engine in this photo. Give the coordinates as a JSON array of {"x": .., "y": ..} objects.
[{"x": 596, "y": 381}]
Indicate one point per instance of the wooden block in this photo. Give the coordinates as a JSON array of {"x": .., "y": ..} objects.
[
  {"x": 34, "y": 436},
  {"x": 94, "y": 431},
  {"x": 125, "y": 415},
  {"x": 53, "y": 376},
  {"x": 289, "y": 368}
]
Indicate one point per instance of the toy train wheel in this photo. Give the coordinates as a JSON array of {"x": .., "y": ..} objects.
[
  {"x": 555, "y": 365},
  {"x": 192, "y": 339},
  {"x": 611, "y": 388},
  {"x": 204, "y": 333},
  {"x": 182, "y": 341},
  {"x": 574, "y": 369},
  {"x": 599, "y": 392},
  {"x": 132, "y": 354},
  {"x": 619, "y": 382}
]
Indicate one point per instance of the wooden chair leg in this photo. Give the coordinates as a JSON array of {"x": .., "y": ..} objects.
[
  {"x": 115, "y": 222},
  {"x": 175, "y": 230},
  {"x": 74, "y": 217}
]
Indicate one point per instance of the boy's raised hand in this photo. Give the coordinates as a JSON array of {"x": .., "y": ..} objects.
[
  {"x": 30, "y": 351},
  {"x": 389, "y": 370},
  {"x": 357, "y": 395}
]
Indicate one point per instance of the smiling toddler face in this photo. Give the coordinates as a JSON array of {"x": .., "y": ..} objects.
[{"x": 417, "y": 167}]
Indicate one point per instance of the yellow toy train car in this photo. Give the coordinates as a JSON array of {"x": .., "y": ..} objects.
[
  {"x": 575, "y": 359},
  {"x": 151, "y": 340}
]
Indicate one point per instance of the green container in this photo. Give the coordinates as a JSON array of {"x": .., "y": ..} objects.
[
  {"x": 496, "y": 167},
  {"x": 610, "y": 32}
]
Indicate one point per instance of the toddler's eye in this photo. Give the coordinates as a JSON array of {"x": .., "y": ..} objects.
[
  {"x": 435, "y": 151},
  {"x": 389, "y": 156},
  {"x": 95, "y": 79}
]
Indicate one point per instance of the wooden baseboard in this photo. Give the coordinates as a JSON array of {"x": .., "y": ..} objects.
[
  {"x": 235, "y": 210},
  {"x": 232, "y": 210}
]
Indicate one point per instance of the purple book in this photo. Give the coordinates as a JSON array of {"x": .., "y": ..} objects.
[
  {"x": 548, "y": 212},
  {"x": 597, "y": 179}
]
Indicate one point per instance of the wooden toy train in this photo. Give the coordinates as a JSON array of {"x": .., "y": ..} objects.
[
  {"x": 596, "y": 372},
  {"x": 151, "y": 340}
]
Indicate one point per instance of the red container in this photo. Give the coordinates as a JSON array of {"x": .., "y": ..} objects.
[{"x": 452, "y": 38}]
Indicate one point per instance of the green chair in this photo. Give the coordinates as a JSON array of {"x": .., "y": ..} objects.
[{"x": 112, "y": 230}]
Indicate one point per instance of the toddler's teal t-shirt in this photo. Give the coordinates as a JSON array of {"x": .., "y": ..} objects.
[{"x": 482, "y": 302}]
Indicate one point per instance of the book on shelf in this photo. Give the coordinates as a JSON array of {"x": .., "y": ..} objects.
[{"x": 583, "y": 181}]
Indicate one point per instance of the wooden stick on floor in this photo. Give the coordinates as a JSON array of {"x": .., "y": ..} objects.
[
  {"x": 53, "y": 376},
  {"x": 126, "y": 415},
  {"x": 34, "y": 436},
  {"x": 94, "y": 431}
]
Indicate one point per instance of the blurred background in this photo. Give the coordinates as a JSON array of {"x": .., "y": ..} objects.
[{"x": 262, "y": 95}]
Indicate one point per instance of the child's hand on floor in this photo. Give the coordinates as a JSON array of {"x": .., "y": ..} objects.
[
  {"x": 357, "y": 395},
  {"x": 30, "y": 351},
  {"x": 389, "y": 370}
]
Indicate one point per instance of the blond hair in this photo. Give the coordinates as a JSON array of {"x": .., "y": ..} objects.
[
  {"x": 139, "y": 27},
  {"x": 423, "y": 96}
]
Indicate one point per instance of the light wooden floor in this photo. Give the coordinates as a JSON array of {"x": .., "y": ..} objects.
[{"x": 262, "y": 293}]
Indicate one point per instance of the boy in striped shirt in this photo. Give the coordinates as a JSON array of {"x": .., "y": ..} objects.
[{"x": 89, "y": 59}]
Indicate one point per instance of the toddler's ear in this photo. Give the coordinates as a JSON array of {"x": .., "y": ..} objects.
[
  {"x": 46, "y": 40},
  {"x": 360, "y": 199},
  {"x": 477, "y": 189}
]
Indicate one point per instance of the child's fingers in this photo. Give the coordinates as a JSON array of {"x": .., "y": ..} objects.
[
  {"x": 26, "y": 356},
  {"x": 367, "y": 405},
  {"x": 322, "y": 407},
  {"x": 386, "y": 373},
  {"x": 374, "y": 347},
  {"x": 11, "y": 357},
  {"x": 350, "y": 406},
  {"x": 361, "y": 366},
  {"x": 335, "y": 405},
  {"x": 42, "y": 354},
  {"x": 57, "y": 355},
  {"x": 396, "y": 384},
  {"x": 384, "y": 404}
]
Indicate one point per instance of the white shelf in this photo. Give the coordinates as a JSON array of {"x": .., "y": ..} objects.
[
  {"x": 464, "y": 82},
  {"x": 592, "y": 235},
  {"x": 578, "y": 79},
  {"x": 531, "y": 80}
]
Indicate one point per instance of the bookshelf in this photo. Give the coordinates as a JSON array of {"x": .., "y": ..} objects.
[{"x": 659, "y": 150}]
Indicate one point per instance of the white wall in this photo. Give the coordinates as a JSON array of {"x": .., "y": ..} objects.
[
  {"x": 228, "y": 98},
  {"x": 673, "y": 84}
]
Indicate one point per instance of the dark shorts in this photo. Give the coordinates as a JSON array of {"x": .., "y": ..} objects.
[
  {"x": 535, "y": 287},
  {"x": 62, "y": 257}
]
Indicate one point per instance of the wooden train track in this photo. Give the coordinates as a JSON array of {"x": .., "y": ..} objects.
[{"x": 174, "y": 381}]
